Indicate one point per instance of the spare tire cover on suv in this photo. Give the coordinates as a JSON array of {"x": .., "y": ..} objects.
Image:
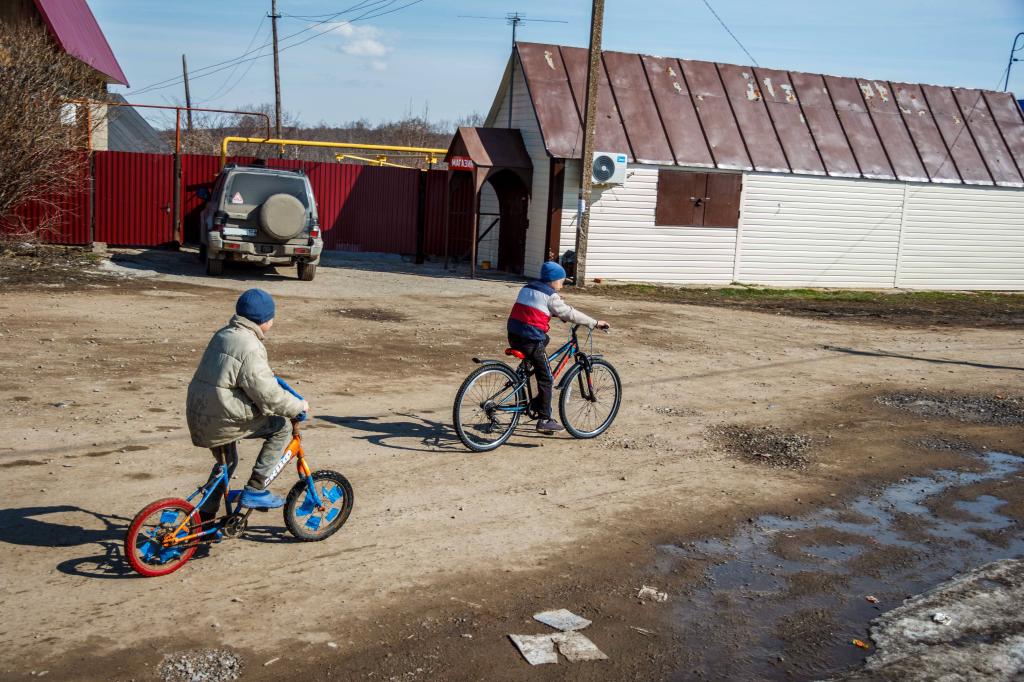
[{"x": 282, "y": 216}]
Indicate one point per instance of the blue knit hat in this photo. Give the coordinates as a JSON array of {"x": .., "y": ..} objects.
[
  {"x": 551, "y": 271},
  {"x": 256, "y": 305}
]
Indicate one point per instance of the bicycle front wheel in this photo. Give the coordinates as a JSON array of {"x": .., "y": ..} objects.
[
  {"x": 487, "y": 407},
  {"x": 589, "y": 408},
  {"x": 310, "y": 523}
]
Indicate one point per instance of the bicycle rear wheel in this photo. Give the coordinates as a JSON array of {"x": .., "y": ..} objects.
[
  {"x": 587, "y": 412},
  {"x": 144, "y": 542},
  {"x": 482, "y": 413}
]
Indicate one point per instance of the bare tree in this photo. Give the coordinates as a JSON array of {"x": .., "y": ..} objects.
[{"x": 39, "y": 129}]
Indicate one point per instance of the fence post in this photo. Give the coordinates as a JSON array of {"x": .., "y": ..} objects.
[
  {"x": 421, "y": 216},
  {"x": 90, "y": 157},
  {"x": 176, "y": 200}
]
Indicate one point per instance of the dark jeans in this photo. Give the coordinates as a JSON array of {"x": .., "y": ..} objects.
[
  {"x": 536, "y": 355},
  {"x": 277, "y": 433}
]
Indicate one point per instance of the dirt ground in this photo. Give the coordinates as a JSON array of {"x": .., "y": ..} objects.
[{"x": 446, "y": 552}]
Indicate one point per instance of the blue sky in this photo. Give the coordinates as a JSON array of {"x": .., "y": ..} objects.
[{"x": 425, "y": 58}]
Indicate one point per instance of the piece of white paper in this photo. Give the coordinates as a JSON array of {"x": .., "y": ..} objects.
[
  {"x": 536, "y": 649},
  {"x": 576, "y": 647},
  {"x": 562, "y": 619}
]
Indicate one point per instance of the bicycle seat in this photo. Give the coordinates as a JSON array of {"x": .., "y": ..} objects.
[{"x": 514, "y": 353}]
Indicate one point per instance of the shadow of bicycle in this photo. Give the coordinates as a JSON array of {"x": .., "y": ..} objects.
[
  {"x": 432, "y": 436},
  {"x": 40, "y": 527}
]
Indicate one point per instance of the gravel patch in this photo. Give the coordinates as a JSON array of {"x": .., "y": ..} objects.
[
  {"x": 763, "y": 445},
  {"x": 372, "y": 314},
  {"x": 998, "y": 410},
  {"x": 946, "y": 444},
  {"x": 203, "y": 665}
]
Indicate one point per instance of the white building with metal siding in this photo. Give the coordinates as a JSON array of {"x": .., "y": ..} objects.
[{"x": 794, "y": 227}]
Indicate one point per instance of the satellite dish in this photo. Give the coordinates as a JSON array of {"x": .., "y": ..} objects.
[{"x": 604, "y": 168}]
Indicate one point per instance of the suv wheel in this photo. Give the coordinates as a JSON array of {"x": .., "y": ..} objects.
[
  {"x": 307, "y": 271},
  {"x": 214, "y": 266}
]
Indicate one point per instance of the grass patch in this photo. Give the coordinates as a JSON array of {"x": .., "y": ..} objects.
[{"x": 918, "y": 308}]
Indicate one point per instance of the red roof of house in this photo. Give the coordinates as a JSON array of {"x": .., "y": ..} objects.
[
  {"x": 691, "y": 113},
  {"x": 75, "y": 28}
]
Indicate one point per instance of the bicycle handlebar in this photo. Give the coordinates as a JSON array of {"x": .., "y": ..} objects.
[{"x": 284, "y": 384}]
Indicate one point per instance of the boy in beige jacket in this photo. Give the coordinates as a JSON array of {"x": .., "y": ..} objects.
[{"x": 234, "y": 394}]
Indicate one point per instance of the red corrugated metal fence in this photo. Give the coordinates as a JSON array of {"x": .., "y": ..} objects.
[
  {"x": 362, "y": 208},
  {"x": 64, "y": 217}
]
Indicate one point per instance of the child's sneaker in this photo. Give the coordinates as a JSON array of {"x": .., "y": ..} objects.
[
  {"x": 260, "y": 499},
  {"x": 549, "y": 426}
]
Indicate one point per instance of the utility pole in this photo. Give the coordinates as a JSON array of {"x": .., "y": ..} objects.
[
  {"x": 589, "y": 128},
  {"x": 176, "y": 214},
  {"x": 188, "y": 96},
  {"x": 274, "y": 16}
]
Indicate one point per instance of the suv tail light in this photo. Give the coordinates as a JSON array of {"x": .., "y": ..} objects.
[
  {"x": 314, "y": 228},
  {"x": 220, "y": 219}
]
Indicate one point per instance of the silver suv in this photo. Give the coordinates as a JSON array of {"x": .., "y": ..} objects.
[{"x": 260, "y": 215}]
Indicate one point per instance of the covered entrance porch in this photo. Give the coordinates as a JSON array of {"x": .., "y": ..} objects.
[{"x": 496, "y": 166}]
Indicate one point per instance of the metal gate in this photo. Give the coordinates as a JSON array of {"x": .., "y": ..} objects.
[{"x": 134, "y": 198}]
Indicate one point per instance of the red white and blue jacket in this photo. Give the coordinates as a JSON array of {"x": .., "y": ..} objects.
[{"x": 536, "y": 304}]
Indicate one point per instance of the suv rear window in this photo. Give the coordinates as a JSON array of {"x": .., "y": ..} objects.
[{"x": 248, "y": 190}]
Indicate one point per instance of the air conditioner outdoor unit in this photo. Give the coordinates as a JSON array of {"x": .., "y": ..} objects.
[{"x": 608, "y": 168}]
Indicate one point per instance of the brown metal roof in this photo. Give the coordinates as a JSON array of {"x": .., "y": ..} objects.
[
  {"x": 491, "y": 147},
  {"x": 662, "y": 110}
]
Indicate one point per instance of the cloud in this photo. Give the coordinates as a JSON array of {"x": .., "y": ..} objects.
[{"x": 357, "y": 41}]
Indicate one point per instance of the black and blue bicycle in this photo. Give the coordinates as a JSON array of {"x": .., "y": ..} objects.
[{"x": 493, "y": 399}]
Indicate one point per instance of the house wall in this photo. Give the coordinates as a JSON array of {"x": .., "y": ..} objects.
[
  {"x": 625, "y": 244},
  {"x": 811, "y": 231},
  {"x": 793, "y": 230},
  {"x": 524, "y": 118},
  {"x": 818, "y": 231},
  {"x": 957, "y": 237}
]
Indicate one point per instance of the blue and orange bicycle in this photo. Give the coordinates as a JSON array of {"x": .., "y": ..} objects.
[
  {"x": 494, "y": 397},
  {"x": 165, "y": 534}
]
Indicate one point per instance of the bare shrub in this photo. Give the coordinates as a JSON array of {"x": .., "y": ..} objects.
[{"x": 39, "y": 131}]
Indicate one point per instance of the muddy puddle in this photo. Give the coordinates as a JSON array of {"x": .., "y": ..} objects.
[{"x": 784, "y": 598}]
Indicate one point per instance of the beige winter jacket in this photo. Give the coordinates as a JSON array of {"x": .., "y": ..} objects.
[{"x": 234, "y": 390}]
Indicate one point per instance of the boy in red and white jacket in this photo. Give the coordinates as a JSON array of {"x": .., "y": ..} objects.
[{"x": 528, "y": 325}]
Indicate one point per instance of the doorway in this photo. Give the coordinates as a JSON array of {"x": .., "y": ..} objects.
[{"x": 513, "y": 208}]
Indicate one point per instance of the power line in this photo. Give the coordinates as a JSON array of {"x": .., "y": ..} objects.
[
  {"x": 320, "y": 16},
  {"x": 229, "y": 63},
  {"x": 240, "y": 58},
  {"x": 729, "y": 31},
  {"x": 220, "y": 92}
]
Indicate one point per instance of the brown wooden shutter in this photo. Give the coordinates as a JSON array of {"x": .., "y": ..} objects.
[
  {"x": 680, "y": 198},
  {"x": 722, "y": 208}
]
